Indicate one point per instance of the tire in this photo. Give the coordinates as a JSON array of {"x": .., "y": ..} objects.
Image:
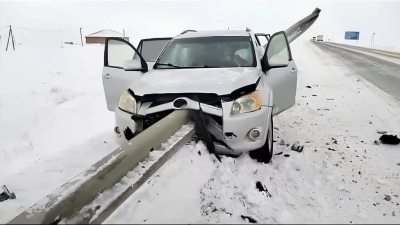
[{"x": 265, "y": 153}]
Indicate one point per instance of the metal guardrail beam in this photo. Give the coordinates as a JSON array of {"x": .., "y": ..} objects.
[{"x": 70, "y": 198}]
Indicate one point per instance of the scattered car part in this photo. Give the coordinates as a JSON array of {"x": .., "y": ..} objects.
[
  {"x": 297, "y": 148},
  {"x": 388, "y": 198},
  {"x": 262, "y": 188},
  {"x": 381, "y": 132},
  {"x": 251, "y": 220},
  {"x": 6, "y": 194},
  {"x": 389, "y": 139}
]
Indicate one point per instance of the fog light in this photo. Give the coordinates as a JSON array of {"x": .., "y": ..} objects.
[
  {"x": 117, "y": 131},
  {"x": 255, "y": 134}
]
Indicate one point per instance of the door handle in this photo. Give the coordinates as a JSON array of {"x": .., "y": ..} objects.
[
  {"x": 293, "y": 70},
  {"x": 107, "y": 76}
]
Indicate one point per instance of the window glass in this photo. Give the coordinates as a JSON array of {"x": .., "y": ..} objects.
[
  {"x": 150, "y": 49},
  {"x": 216, "y": 51},
  {"x": 118, "y": 53},
  {"x": 278, "y": 51}
]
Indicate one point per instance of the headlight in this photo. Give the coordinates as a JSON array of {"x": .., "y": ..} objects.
[
  {"x": 247, "y": 103},
  {"x": 127, "y": 102}
]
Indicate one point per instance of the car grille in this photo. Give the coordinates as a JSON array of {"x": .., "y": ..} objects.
[
  {"x": 159, "y": 99},
  {"x": 153, "y": 118}
]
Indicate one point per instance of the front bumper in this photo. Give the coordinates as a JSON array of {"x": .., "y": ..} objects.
[{"x": 230, "y": 131}]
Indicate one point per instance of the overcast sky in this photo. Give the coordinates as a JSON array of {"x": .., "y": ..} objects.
[{"x": 167, "y": 18}]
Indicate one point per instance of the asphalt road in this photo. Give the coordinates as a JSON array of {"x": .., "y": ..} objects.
[{"x": 382, "y": 73}]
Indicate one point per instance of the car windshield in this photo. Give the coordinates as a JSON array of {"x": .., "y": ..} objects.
[{"x": 208, "y": 52}]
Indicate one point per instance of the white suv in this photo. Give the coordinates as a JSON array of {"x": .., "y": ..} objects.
[{"x": 233, "y": 82}]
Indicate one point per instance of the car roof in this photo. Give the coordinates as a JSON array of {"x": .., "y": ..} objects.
[{"x": 193, "y": 34}]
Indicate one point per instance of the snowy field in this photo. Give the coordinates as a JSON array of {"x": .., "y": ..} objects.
[{"x": 54, "y": 124}]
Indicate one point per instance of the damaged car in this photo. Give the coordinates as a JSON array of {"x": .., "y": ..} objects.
[{"x": 232, "y": 82}]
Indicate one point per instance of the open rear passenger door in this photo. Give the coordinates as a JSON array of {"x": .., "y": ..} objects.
[{"x": 124, "y": 64}]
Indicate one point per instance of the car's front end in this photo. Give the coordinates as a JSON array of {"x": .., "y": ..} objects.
[
  {"x": 236, "y": 125},
  {"x": 217, "y": 76}
]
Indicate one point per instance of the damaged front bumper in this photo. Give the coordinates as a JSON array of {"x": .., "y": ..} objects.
[{"x": 231, "y": 133}]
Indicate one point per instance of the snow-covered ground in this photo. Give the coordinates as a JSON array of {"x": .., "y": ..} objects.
[
  {"x": 54, "y": 122},
  {"x": 340, "y": 177}
]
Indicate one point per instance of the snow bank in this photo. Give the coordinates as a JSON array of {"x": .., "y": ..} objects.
[{"x": 53, "y": 119}]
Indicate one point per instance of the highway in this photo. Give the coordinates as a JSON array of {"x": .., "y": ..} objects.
[{"x": 379, "y": 68}]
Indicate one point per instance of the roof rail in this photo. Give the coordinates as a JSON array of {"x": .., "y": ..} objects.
[
  {"x": 184, "y": 32},
  {"x": 248, "y": 29}
]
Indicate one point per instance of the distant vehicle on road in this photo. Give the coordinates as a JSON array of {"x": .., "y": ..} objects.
[
  {"x": 314, "y": 38},
  {"x": 320, "y": 38}
]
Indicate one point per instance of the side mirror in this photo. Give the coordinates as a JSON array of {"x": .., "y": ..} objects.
[
  {"x": 133, "y": 65},
  {"x": 267, "y": 65},
  {"x": 278, "y": 64}
]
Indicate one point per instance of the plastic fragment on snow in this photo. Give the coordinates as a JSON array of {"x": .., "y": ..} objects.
[
  {"x": 381, "y": 132},
  {"x": 282, "y": 142},
  {"x": 251, "y": 220},
  {"x": 6, "y": 194},
  {"x": 387, "y": 198},
  {"x": 297, "y": 148},
  {"x": 389, "y": 139},
  {"x": 262, "y": 188}
]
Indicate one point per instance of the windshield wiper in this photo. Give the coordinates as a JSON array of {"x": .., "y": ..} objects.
[
  {"x": 183, "y": 67},
  {"x": 168, "y": 64}
]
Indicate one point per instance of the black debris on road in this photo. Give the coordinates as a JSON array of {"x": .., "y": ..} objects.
[
  {"x": 390, "y": 139},
  {"x": 251, "y": 220}
]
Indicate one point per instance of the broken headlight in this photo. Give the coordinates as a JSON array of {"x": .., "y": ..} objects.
[
  {"x": 127, "y": 102},
  {"x": 247, "y": 103}
]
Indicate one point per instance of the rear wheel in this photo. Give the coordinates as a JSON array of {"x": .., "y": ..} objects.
[{"x": 265, "y": 153}]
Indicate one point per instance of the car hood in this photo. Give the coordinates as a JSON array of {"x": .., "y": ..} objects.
[{"x": 220, "y": 81}]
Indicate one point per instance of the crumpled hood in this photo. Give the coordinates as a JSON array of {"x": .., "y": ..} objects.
[{"x": 220, "y": 81}]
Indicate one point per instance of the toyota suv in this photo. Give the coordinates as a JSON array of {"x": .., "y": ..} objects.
[{"x": 235, "y": 81}]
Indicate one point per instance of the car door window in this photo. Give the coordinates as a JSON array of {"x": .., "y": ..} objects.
[
  {"x": 118, "y": 53},
  {"x": 262, "y": 39},
  {"x": 278, "y": 50},
  {"x": 151, "y": 48}
]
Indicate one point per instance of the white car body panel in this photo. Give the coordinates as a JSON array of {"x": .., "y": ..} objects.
[
  {"x": 115, "y": 82},
  {"x": 220, "y": 81}
]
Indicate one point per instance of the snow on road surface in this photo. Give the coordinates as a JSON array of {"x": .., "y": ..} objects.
[
  {"x": 54, "y": 122},
  {"x": 340, "y": 177}
]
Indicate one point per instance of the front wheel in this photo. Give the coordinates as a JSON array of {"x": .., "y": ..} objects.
[{"x": 265, "y": 153}]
